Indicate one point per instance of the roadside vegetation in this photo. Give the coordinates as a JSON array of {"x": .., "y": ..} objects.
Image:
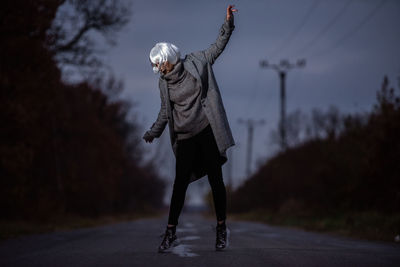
[{"x": 70, "y": 147}]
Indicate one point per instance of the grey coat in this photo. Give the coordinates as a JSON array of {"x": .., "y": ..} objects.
[{"x": 199, "y": 64}]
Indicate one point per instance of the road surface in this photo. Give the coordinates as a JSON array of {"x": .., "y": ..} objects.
[{"x": 251, "y": 244}]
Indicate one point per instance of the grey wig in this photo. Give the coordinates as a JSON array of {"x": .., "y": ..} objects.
[{"x": 163, "y": 52}]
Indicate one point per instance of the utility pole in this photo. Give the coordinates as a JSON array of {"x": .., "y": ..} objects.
[
  {"x": 250, "y": 127},
  {"x": 282, "y": 68}
]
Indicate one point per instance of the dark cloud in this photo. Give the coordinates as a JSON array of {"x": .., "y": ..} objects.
[{"x": 346, "y": 74}]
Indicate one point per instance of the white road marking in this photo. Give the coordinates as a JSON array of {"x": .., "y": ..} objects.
[{"x": 183, "y": 250}]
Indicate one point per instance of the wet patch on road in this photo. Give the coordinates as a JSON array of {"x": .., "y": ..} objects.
[{"x": 184, "y": 250}]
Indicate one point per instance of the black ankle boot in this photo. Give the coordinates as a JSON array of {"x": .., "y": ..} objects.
[
  {"x": 222, "y": 237},
  {"x": 170, "y": 240}
]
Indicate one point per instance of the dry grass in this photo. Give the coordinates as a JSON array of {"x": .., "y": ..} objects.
[{"x": 370, "y": 225}]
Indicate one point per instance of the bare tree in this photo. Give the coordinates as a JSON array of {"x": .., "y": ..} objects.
[
  {"x": 296, "y": 131},
  {"x": 294, "y": 127},
  {"x": 317, "y": 122},
  {"x": 72, "y": 36},
  {"x": 333, "y": 122}
]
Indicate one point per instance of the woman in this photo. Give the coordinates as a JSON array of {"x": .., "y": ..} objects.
[{"x": 191, "y": 104}]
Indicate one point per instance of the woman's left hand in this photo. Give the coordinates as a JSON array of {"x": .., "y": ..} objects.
[{"x": 229, "y": 10}]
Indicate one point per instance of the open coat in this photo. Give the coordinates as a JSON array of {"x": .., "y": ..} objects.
[{"x": 199, "y": 65}]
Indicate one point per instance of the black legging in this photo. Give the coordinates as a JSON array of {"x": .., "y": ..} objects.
[{"x": 204, "y": 143}]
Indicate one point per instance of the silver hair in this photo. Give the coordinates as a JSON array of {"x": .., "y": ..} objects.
[{"x": 163, "y": 52}]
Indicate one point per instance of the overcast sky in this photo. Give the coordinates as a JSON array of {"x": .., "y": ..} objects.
[{"x": 349, "y": 45}]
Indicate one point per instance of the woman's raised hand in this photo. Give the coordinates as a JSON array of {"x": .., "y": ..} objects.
[{"x": 229, "y": 10}]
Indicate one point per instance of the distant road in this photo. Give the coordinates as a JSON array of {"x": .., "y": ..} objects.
[{"x": 251, "y": 244}]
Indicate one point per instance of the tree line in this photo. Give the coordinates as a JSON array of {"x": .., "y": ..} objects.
[
  {"x": 65, "y": 148},
  {"x": 335, "y": 163}
]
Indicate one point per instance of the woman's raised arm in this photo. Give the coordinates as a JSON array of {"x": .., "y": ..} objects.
[{"x": 212, "y": 53}]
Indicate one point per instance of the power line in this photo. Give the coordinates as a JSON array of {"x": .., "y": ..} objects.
[
  {"x": 325, "y": 29},
  {"x": 354, "y": 30},
  {"x": 322, "y": 32},
  {"x": 294, "y": 33}
]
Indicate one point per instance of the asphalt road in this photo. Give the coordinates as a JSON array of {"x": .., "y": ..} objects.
[{"x": 250, "y": 244}]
